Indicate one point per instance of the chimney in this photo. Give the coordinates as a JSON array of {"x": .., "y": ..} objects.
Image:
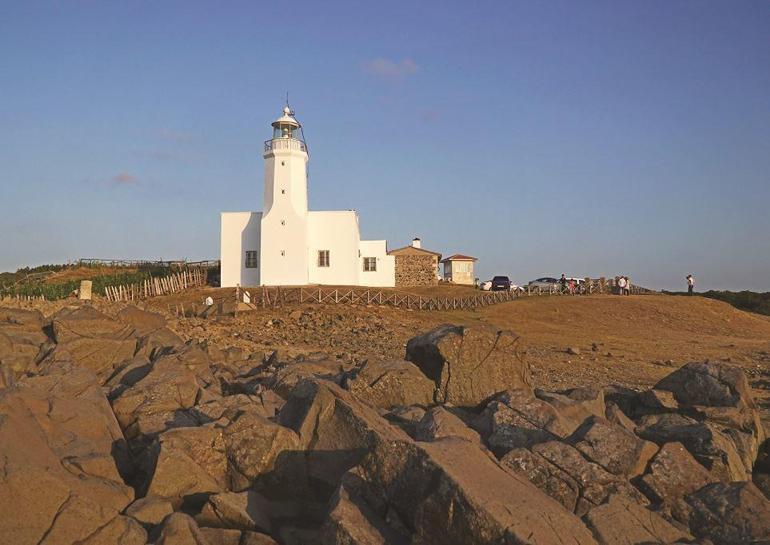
[{"x": 416, "y": 242}]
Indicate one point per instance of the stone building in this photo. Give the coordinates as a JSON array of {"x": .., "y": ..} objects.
[{"x": 416, "y": 266}]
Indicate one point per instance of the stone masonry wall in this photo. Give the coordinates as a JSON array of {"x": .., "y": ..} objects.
[{"x": 416, "y": 270}]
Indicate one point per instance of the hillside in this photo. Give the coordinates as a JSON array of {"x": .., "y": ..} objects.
[{"x": 635, "y": 336}]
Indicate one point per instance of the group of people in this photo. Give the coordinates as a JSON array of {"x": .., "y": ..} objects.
[
  {"x": 624, "y": 285},
  {"x": 568, "y": 285}
]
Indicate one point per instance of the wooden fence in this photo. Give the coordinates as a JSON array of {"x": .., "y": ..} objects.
[
  {"x": 271, "y": 297},
  {"x": 11, "y": 298},
  {"x": 152, "y": 287}
]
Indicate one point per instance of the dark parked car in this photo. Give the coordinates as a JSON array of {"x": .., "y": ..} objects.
[{"x": 501, "y": 283}]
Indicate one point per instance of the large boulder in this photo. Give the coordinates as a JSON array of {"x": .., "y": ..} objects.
[
  {"x": 59, "y": 483},
  {"x": 708, "y": 443},
  {"x": 468, "y": 365},
  {"x": 387, "y": 384},
  {"x": 673, "y": 474},
  {"x": 613, "y": 447},
  {"x": 260, "y": 449},
  {"x": 335, "y": 430},
  {"x": 72, "y": 323},
  {"x": 720, "y": 395},
  {"x": 351, "y": 521},
  {"x": 516, "y": 418},
  {"x": 450, "y": 491},
  {"x": 186, "y": 464},
  {"x": 560, "y": 471},
  {"x": 623, "y": 522},
  {"x": 22, "y": 343},
  {"x": 160, "y": 400},
  {"x": 710, "y": 384},
  {"x": 445, "y": 491},
  {"x": 20, "y": 349},
  {"x": 142, "y": 321},
  {"x": 92, "y": 339},
  {"x": 546, "y": 476},
  {"x": 730, "y": 513}
]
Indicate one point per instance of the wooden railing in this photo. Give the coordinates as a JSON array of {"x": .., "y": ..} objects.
[{"x": 271, "y": 297}]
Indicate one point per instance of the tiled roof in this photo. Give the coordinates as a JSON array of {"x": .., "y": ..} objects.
[
  {"x": 412, "y": 250},
  {"x": 459, "y": 257}
]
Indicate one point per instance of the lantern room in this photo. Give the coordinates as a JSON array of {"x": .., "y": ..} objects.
[{"x": 286, "y": 126}]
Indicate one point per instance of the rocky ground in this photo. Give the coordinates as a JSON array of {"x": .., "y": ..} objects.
[{"x": 342, "y": 425}]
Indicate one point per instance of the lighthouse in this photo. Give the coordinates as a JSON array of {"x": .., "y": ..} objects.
[
  {"x": 286, "y": 244},
  {"x": 284, "y": 230}
]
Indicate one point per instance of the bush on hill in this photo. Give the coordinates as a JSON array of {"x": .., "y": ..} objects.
[{"x": 750, "y": 301}]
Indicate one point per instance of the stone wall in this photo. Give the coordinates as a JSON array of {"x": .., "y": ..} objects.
[{"x": 416, "y": 270}]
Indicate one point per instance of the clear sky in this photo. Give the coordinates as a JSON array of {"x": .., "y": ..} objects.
[{"x": 591, "y": 138}]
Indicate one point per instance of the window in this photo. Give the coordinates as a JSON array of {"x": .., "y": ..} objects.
[
  {"x": 370, "y": 264},
  {"x": 252, "y": 259},
  {"x": 323, "y": 258}
]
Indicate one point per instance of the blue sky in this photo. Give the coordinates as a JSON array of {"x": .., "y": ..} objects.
[{"x": 542, "y": 137}]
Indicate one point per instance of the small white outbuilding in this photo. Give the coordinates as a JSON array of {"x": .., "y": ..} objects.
[
  {"x": 288, "y": 245},
  {"x": 458, "y": 268}
]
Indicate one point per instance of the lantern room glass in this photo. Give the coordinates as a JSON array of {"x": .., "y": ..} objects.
[{"x": 285, "y": 130}]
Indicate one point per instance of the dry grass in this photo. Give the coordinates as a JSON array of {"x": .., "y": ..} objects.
[{"x": 640, "y": 333}]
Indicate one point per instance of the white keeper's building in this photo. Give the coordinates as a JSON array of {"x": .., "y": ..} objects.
[{"x": 288, "y": 245}]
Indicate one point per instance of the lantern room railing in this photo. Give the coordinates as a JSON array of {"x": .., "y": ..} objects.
[{"x": 285, "y": 144}]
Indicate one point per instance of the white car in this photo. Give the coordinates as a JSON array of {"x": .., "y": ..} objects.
[{"x": 486, "y": 285}]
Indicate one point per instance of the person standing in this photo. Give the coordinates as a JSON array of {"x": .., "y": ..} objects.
[
  {"x": 622, "y": 285},
  {"x": 563, "y": 282},
  {"x": 628, "y": 286},
  {"x": 690, "y": 284}
]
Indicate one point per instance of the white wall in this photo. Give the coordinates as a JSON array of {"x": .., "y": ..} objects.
[
  {"x": 286, "y": 176},
  {"x": 338, "y": 233},
  {"x": 459, "y": 272},
  {"x": 385, "y": 275},
  {"x": 284, "y": 223},
  {"x": 240, "y": 231}
]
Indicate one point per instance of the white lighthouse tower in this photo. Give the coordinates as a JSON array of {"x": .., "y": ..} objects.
[
  {"x": 288, "y": 245},
  {"x": 284, "y": 217}
]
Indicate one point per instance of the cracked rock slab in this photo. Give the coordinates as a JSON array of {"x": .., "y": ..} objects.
[
  {"x": 622, "y": 522},
  {"x": 469, "y": 364}
]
